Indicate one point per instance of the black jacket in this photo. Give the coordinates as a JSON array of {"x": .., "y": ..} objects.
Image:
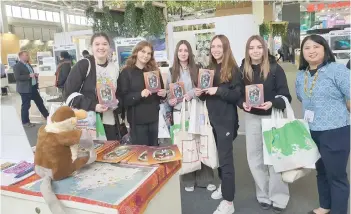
[
  {"x": 140, "y": 110},
  {"x": 62, "y": 73},
  {"x": 275, "y": 84},
  {"x": 76, "y": 78},
  {"x": 222, "y": 107}
]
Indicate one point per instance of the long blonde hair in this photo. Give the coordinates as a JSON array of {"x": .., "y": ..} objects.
[
  {"x": 264, "y": 63},
  {"x": 151, "y": 65},
  {"x": 228, "y": 62}
]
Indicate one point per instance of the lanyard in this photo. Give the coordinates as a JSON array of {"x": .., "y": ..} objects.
[{"x": 308, "y": 92}]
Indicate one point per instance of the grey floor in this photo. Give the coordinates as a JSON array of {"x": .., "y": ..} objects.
[{"x": 303, "y": 193}]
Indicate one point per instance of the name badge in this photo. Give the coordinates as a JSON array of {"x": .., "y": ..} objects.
[{"x": 309, "y": 116}]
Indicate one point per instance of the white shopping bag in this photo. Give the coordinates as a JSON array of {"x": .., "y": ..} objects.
[
  {"x": 196, "y": 116},
  {"x": 290, "y": 143},
  {"x": 187, "y": 145},
  {"x": 163, "y": 131},
  {"x": 207, "y": 143},
  {"x": 295, "y": 174}
]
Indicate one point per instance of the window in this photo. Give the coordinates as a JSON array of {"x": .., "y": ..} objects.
[
  {"x": 56, "y": 17},
  {"x": 83, "y": 20},
  {"x": 25, "y": 13},
  {"x": 34, "y": 14},
  {"x": 41, "y": 14},
  {"x": 71, "y": 19},
  {"x": 16, "y": 11},
  {"x": 8, "y": 10},
  {"x": 77, "y": 20},
  {"x": 49, "y": 16}
]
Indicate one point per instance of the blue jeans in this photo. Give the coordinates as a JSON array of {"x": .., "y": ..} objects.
[
  {"x": 332, "y": 181},
  {"x": 26, "y": 103}
]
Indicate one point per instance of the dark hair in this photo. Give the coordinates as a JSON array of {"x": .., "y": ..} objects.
[
  {"x": 328, "y": 54},
  {"x": 99, "y": 35},
  {"x": 85, "y": 53},
  {"x": 193, "y": 70},
  {"x": 65, "y": 55}
]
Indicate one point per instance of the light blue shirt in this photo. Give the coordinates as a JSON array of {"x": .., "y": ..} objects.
[
  {"x": 34, "y": 80},
  {"x": 331, "y": 90}
]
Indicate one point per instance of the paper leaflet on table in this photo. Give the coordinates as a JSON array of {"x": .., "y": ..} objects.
[
  {"x": 116, "y": 153},
  {"x": 15, "y": 171}
]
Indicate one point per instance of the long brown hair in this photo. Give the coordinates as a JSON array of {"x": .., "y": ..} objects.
[
  {"x": 132, "y": 59},
  {"x": 193, "y": 70},
  {"x": 228, "y": 61},
  {"x": 264, "y": 63}
]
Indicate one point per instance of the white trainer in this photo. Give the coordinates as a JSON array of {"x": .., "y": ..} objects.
[
  {"x": 216, "y": 195},
  {"x": 211, "y": 187},
  {"x": 225, "y": 208},
  {"x": 189, "y": 189}
]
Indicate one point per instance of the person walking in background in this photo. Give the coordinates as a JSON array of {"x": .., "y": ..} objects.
[
  {"x": 63, "y": 70},
  {"x": 321, "y": 86},
  {"x": 100, "y": 71},
  {"x": 221, "y": 102},
  {"x": 185, "y": 70},
  {"x": 85, "y": 54},
  {"x": 142, "y": 105},
  {"x": 261, "y": 68},
  {"x": 27, "y": 87},
  {"x": 3, "y": 75}
]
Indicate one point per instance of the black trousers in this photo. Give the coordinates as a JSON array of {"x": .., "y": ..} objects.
[
  {"x": 111, "y": 132},
  {"x": 26, "y": 103},
  {"x": 145, "y": 134},
  {"x": 333, "y": 184},
  {"x": 224, "y": 135}
]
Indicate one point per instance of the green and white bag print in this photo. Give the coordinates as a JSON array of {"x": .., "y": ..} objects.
[{"x": 287, "y": 142}]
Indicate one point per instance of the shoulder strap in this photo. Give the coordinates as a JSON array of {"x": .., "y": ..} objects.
[{"x": 88, "y": 72}]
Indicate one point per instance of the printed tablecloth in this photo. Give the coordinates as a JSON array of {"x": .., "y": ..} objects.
[{"x": 135, "y": 201}]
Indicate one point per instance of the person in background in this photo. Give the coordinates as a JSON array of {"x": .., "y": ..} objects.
[
  {"x": 100, "y": 71},
  {"x": 27, "y": 87},
  {"x": 63, "y": 70},
  {"x": 259, "y": 67},
  {"x": 142, "y": 105},
  {"x": 85, "y": 54},
  {"x": 3, "y": 75},
  {"x": 185, "y": 70},
  {"x": 221, "y": 102},
  {"x": 321, "y": 86}
]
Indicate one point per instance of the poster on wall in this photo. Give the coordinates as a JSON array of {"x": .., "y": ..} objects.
[
  {"x": 71, "y": 49},
  {"x": 159, "y": 44},
  {"x": 11, "y": 59},
  {"x": 203, "y": 41},
  {"x": 41, "y": 55},
  {"x": 124, "y": 48},
  {"x": 48, "y": 67}
]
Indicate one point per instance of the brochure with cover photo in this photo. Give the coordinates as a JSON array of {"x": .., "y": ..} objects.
[
  {"x": 254, "y": 95},
  {"x": 140, "y": 157},
  {"x": 116, "y": 154},
  {"x": 205, "y": 79},
  {"x": 163, "y": 154},
  {"x": 177, "y": 91},
  {"x": 152, "y": 81}
]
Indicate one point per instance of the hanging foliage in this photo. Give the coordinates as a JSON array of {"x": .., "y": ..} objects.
[
  {"x": 130, "y": 20},
  {"x": 279, "y": 28},
  {"x": 264, "y": 29},
  {"x": 154, "y": 22}
]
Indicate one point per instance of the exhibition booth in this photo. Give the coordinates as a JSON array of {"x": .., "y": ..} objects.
[{"x": 122, "y": 188}]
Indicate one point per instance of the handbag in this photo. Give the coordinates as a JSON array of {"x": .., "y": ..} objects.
[{"x": 187, "y": 145}]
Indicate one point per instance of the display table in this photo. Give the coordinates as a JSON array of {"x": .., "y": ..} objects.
[{"x": 155, "y": 191}]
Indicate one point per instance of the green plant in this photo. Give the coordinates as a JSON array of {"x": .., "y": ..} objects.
[
  {"x": 264, "y": 29},
  {"x": 130, "y": 20},
  {"x": 154, "y": 22},
  {"x": 279, "y": 29}
]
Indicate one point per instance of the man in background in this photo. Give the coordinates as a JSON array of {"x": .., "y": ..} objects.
[
  {"x": 27, "y": 87},
  {"x": 3, "y": 75},
  {"x": 85, "y": 54},
  {"x": 63, "y": 70}
]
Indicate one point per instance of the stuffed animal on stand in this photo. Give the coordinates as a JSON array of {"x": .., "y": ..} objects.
[{"x": 53, "y": 156}]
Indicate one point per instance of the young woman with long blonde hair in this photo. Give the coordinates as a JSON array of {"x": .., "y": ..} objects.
[
  {"x": 221, "y": 101},
  {"x": 142, "y": 105},
  {"x": 259, "y": 67}
]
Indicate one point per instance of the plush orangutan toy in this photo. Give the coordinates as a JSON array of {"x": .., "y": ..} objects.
[{"x": 53, "y": 156}]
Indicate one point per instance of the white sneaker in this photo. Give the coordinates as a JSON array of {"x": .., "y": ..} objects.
[
  {"x": 189, "y": 189},
  {"x": 211, "y": 187},
  {"x": 225, "y": 208},
  {"x": 217, "y": 194}
]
